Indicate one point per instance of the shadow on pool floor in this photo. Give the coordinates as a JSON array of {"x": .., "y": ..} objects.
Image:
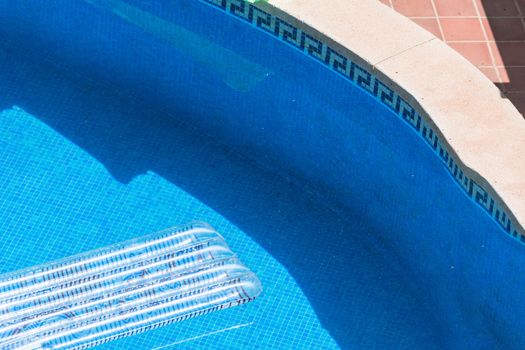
[{"x": 354, "y": 284}]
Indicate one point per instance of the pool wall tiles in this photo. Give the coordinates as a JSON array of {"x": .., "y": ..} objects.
[{"x": 370, "y": 83}]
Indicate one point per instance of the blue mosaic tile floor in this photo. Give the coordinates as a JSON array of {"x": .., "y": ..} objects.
[
  {"x": 83, "y": 166},
  {"x": 58, "y": 200}
]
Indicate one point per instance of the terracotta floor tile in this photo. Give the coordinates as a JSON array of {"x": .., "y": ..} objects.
[
  {"x": 477, "y": 53},
  {"x": 490, "y": 73},
  {"x": 462, "y": 29},
  {"x": 506, "y": 35},
  {"x": 488, "y": 29},
  {"x": 414, "y": 8},
  {"x": 516, "y": 79},
  {"x": 480, "y": 7},
  {"x": 455, "y": 8},
  {"x": 504, "y": 29},
  {"x": 521, "y": 4},
  {"x": 512, "y": 54},
  {"x": 499, "y": 8},
  {"x": 498, "y": 58},
  {"x": 504, "y": 76},
  {"x": 430, "y": 24}
]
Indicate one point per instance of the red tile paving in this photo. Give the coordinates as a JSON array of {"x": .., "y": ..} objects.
[
  {"x": 498, "y": 59},
  {"x": 521, "y": 5},
  {"x": 496, "y": 8},
  {"x": 413, "y": 8},
  {"x": 430, "y": 24},
  {"x": 455, "y": 8},
  {"x": 513, "y": 53},
  {"x": 489, "y": 33},
  {"x": 518, "y": 83},
  {"x": 505, "y": 29},
  {"x": 476, "y": 52},
  {"x": 462, "y": 29},
  {"x": 518, "y": 99},
  {"x": 490, "y": 72}
]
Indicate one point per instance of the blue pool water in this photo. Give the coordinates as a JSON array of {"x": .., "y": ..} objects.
[{"x": 120, "y": 118}]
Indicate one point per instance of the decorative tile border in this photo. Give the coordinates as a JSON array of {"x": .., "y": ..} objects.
[{"x": 374, "y": 86}]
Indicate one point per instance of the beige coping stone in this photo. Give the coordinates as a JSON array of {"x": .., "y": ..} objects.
[
  {"x": 358, "y": 23},
  {"x": 483, "y": 129}
]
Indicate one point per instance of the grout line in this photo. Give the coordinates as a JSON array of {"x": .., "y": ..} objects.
[
  {"x": 492, "y": 58},
  {"x": 438, "y": 21}
]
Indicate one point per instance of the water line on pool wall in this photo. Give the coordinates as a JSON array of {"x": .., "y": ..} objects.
[{"x": 121, "y": 290}]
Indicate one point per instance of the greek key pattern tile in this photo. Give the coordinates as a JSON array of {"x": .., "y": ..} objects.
[{"x": 364, "y": 79}]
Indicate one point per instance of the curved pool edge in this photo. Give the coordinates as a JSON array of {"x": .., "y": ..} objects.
[
  {"x": 101, "y": 149},
  {"x": 460, "y": 113}
]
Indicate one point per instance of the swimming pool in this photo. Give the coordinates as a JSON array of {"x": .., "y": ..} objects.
[{"x": 119, "y": 118}]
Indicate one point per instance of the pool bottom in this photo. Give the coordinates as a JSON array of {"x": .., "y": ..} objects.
[{"x": 85, "y": 166}]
